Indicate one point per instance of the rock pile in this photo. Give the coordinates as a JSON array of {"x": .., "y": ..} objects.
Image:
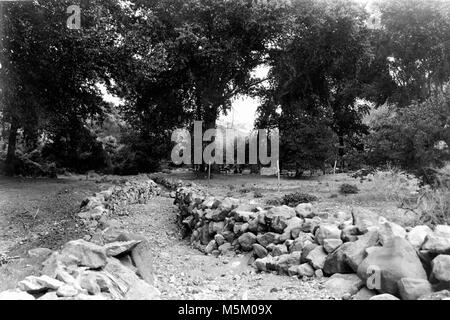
[
  {"x": 87, "y": 271},
  {"x": 364, "y": 256},
  {"x": 111, "y": 200}
]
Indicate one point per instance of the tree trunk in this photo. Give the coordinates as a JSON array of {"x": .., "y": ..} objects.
[
  {"x": 341, "y": 152},
  {"x": 11, "y": 154}
]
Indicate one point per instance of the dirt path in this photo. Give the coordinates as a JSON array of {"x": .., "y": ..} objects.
[{"x": 183, "y": 272}]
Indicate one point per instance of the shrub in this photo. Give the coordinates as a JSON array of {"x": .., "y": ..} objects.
[
  {"x": 258, "y": 194},
  {"x": 348, "y": 189},
  {"x": 294, "y": 199},
  {"x": 274, "y": 202}
]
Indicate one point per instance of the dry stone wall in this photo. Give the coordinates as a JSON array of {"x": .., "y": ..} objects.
[{"x": 364, "y": 257}]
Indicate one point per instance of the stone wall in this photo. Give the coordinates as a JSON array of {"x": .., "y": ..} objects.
[{"x": 364, "y": 255}]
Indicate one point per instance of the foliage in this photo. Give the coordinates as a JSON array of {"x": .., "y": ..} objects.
[
  {"x": 415, "y": 138},
  {"x": 346, "y": 189},
  {"x": 294, "y": 199}
]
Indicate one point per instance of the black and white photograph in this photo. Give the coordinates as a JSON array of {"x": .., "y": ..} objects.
[{"x": 241, "y": 152}]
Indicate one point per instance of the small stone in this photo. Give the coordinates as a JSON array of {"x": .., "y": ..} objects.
[
  {"x": 279, "y": 250},
  {"x": 220, "y": 240},
  {"x": 247, "y": 241},
  {"x": 260, "y": 251},
  {"x": 66, "y": 291},
  {"x": 342, "y": 284},
  {"x": 327, "y": 231},
  {"x": 305, "y": 270},
  {"x": 305, "y": 210},
  {"x": 211, "y": 247},
  {"x": 114, "y": 249},
  {"x": 364, "y": 294}
]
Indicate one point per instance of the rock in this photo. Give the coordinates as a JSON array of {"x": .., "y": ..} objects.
[
  {"x": 341, "y": 284},
  {"x": 260, "y": 251},
  {"x": 310, "y": 226},
  {"x": 363, "y": 219},
  {"x": 247, "y": 240},
  {"x": 417, "y": 235},
  {"x": 436, "y": 244},
  {"x": 393, "y": 262},
  {"x": 89, "y": 255},
  {"x": 319, "y": 274},
  {"x": 307, "y": 248},
  {"x": 441, "y": 268},
  {"x": 327, "y": 231},
  {"x": 350, "y": 234},
  {"x": 49, "y": 296},
  {"x": 34, "y": 284},
  {"x": 204, "y": 234},
  {"x": 265, "y": 264},
  {"x": 317, "y": 257},
  {"x": 305, "y": 211},
  {"x": 278, "y": 218},
  {"x": 218, "y": 227},
  {"x": 389, "y": 230},
  {"x": 384, "y": 297},
  {"x": 142, "y": 257},
  {"x": 413, "y": 289},
  {"x": 336, "y": 263},
  {"x": 441, "y": 295},
  {"x": 292, "y": 229},
  {"x": 284, "y": 262},
  {"x": 279, "y": 250},
  {"x": 66, "y": 291},
  {"x": 141, "y": 290},
  {"x": 15, "y": 295},
  {"x": 226, "y": 247},
  {"x": 305, "y": 270},
  {"x": 114, "y": 249},
  {"x": 364, "y": 294},
  {"x": 268, "y": 238},
  {"x": 211, "y": 247},
  {"x": 355, "y": 252},
  {"x": 94, "y": 282},
  {"x": 244, "y": 216},
  {"x": 442, "y": 231},
  {"x": 220, "y": 240},
  {"x": 331, "y": 244},
  {"x": 40, "y": 253}
]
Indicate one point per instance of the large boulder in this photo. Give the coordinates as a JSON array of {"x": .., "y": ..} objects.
[
  {"x": 391, "y": 263},
  {"x": 327, "y": 231},
  {"x": 317, "y": 257},
  {"x": 305, "y": 270},
  {"x": 413, "y": 289},
  {"x": 342, "y": 284},
  {"x": 260, "y": 251},
  {"x": 292, "y": 230},
  {"x": 417, "y": 235},
  {"x": 117, "y": 248},
  {"x": 441, "y": 268},
  {"x": 89, "y": 254},
  {"x": 33, "y": 284}
]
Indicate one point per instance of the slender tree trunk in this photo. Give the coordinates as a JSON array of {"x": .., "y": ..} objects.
[
  {"x": 341, "y": 152},
  {"x": 11, "y": 154}
]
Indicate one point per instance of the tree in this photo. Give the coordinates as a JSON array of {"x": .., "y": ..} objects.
[
  {"x": 49, "y": 73},
  {"x": 317, "y": 70}
]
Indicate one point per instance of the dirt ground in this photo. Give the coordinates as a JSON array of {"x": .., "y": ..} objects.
[{"x": 41, "y": 213}]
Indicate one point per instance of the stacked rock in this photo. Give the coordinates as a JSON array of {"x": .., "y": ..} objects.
[
  {"x": 109, "y": 201},
  {"x": 364, "y": 256},
  {"x": 87, "y": 271}
]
